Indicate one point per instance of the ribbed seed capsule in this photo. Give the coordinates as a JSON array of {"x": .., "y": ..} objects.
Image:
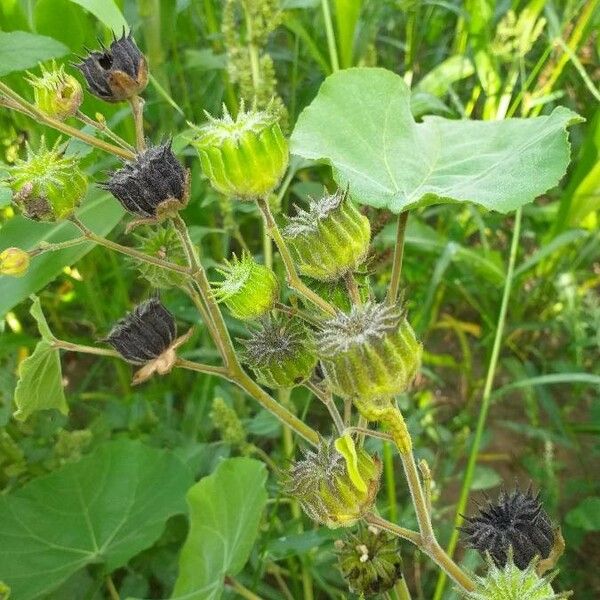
[
  {"x": 511, "y": 583},
  {"x": 280, "y": 353},
  {"x": 516, "y": 521},
  {"x": 248, "y": 289},
  {"x": 56, "y": 93},
  {"x": 245, "y": 157},
  {"x": 322, "y": 484},
  {"x": 330, "y": 239},
  {"x": 370, "y": 353},
  {"x": 47, "y": 186}
]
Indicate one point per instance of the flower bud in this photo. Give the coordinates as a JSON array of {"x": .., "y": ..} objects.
[
  {"x": 281, "y": 353},
  {"x": 161, "y": 242},
  {"x": 509, "y": 582},
  {"x": 330, "y": 239},
  {"x": 153, "y": 186},
  {"x": 245, "y": 157},
  {"x": 370, "y": 353},
  {"x": 249, "y": 290},
  {"x": 56, "y": 93},
  {"x": 370, "y": 561},
  {"x": 324, "y": 488},
  {"x": 517, "y": 520},
  {"x": 117, "y": 73},
  {"x": 14, "y": 262},
  {"x": 147, "y": 336},
  {"x": 47, "y": 186}
]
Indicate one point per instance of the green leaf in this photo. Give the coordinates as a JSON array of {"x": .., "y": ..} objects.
[
  {"x": 586, "y": 515},
  {"x": 37, "y": 313},
  {"x": 20, "y": 50},
  {"x": 225, "y": 511},
  {"x": 104, "y": 509},
  {"x": 100, "y": 212},
  {"x": 107, "y": 12},
  {"x": 40, "y": 383},
  {"x": 361, "y": 123}
]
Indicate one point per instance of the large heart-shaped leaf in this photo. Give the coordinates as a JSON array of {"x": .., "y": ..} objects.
[
  {"x": 361, "y": 123},
  {"x": 104, "y": 509},
  {"x": 225, "y": 511}
]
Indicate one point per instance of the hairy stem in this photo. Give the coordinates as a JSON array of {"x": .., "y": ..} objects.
[
  {"x": 331, "y": 45},
  {"x": 103, "y": 128},
  {"x": 327, "y": 399},
  {"x": 381, "y": 523},
  {"x": 293, "y": 278},
  {"x": 137, "y": 110},
  {"x": 392, "y": 295}
]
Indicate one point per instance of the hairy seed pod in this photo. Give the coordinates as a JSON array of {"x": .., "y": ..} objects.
[
  {"x": 370, "y": 353},
  {"x": 14, "y": 262},
  {"x": 249, "y": 290},
  {"x": 329, "y": 239},
  {"x": 322, "y": 484},
  {"x": 245, "y": 157},
  {"x": 370, "y": 561},
  {"x": 116, "y": 73},
  {"x": 518, "y": 521},
  {"x": 512, "y": 583},
  {"x": 281, "y": 353},
  {"x": 153, "y": 186},
  {"x": 47, "y": 186},
  {"x": 56, "y": 93}
]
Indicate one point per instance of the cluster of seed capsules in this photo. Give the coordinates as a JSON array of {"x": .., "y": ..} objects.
[{"x": 366, "y": 353}]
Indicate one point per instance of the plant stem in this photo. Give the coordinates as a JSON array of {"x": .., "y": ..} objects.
[
  {"x": 381, "y": 523},
  {"x": 485, "y": 401},
  {"x": 71, "y": 347},
  {"x": 112, "y": 590},
  {"x": 49, "y": 247},
  {"x": 296, "y": 312},
  {"x": 392, "y": 295},
  {"x": 244, "y": 592},
  {"x": 33, "y": 112},
  {"x": 103, "y": 128},
  {"x": 402, "y": 590},
  {"x": 252, "y": 51},
  {"x": 293, "y": 278},
  {"x": 333, "y": 53},
  {"x": 327, "y": 399},
  {"x": 137, "y": 110},
  {"x": 352, "y": 288}
]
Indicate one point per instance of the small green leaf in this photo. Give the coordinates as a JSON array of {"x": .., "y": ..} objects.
[
  {"x": 37, "y": 313},
  {"x": 102, "y": 510},
  {"x": 40, "y": 383},
  {"x": 107, "y": 12},
  {"x": 361, "y": 123},
  {"x": 225, "y": 511},
  {"x": 20, "y": 50},
  {"x": 586, "y": 515}
]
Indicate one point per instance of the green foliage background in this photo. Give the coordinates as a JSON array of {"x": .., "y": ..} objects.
[{"x": 476, "y": 59}]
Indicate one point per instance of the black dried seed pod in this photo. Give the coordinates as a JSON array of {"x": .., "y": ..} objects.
[
  {"x": 117, "y": 73},
  {"x": 144, "y": 334},
  {"x": 151, "y": 183},
  {"x": 516, "y": 520}
]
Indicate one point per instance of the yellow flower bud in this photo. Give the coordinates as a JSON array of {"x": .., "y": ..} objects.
[{"x": 14, "y": 262}]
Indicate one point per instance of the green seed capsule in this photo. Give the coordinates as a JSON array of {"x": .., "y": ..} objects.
[
  {"x": 249, "y": 290},
  {"x": 281, "y": 353},
  {"x": 245, "y": 157},
  {"x": 47, "y": 186},
  {"x": 56, "y": 93},
  {"x": 330, "y": 239},
  {"x": 370, "y": 353}
]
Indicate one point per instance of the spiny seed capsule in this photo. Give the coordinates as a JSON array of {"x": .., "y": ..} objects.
[
  {"x": 249, "y": 290},
  {"x": 153, "y": 186},
  {"x": 244, "y": 157},
  {"x": 147, "y": 336},
  {"x": 518, "y": 521},
  {"x": 370, "y": 353},
  {"x": 329, "y": 239},
  {"x": 14, "y": 262},
  {"x": 370, "y": 561},
  {"x": 48, "y": 186},
  {"x": 322, "y": 485},
  {"x": 280, "y": 353},
  {"x": 56, "y": 93},
  {"x": 161, "y": 242},
  {"x": 512, "y": 583},
  {"x": 116, "y": 73}
]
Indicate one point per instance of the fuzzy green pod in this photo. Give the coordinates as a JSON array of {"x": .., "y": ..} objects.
[
  {"x": 56, "y": 93},
  {"x": 48, "y": 186},
  {"x": 281, "y": 353},
  {"x": 327, "y": 491},
  {"x": 329, "y": 239},
  {"x": 248, "y": 289},
  {"x": 244, "y": 157},
  {"x": 511, "y": 583},
  {"x": 370, "y": 353}
]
